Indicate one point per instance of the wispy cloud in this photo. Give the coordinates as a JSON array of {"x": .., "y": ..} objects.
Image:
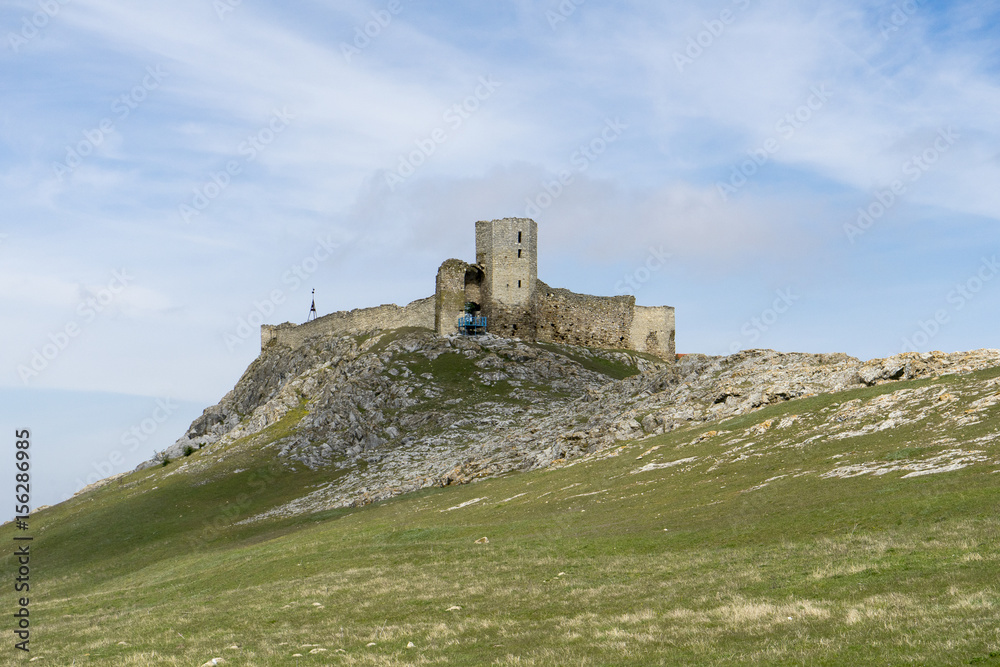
[{"x": 890, "y": 92}]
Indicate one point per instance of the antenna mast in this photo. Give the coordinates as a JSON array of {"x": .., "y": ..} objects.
[{"x": 312, "y": 308}]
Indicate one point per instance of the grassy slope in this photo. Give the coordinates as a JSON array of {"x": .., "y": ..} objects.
[
  {"x": 593, "y": 564},
  {"x": 598, "y": 362}
]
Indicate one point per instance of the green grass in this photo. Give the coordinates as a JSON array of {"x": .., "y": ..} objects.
[
  {"x": 453, "y": 377},
  {"x": 719, "y": 560},
  {"x": 597, "y": 361}
]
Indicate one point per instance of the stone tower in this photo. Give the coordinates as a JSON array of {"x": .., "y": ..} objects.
[{"x": 507, "y": 251}]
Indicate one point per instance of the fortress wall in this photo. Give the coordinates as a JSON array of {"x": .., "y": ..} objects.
[
  {"x": 579, "y": 319},
  {"x": 419, "y": 313},
  {"x": 509, "y": 322},
  {"x": 652, "y": 331},
  {"x": 449, "y": 296},
  {"x": 516, "y": 303}
]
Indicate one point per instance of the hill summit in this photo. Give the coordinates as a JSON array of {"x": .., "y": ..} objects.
[
  {"x": 395, "y": 411},
  {"x": 399, "y": 497},
  {"x": 501, "y": 293}
]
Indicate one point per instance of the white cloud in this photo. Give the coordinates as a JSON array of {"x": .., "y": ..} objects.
[{"x": 353, "y": 120}]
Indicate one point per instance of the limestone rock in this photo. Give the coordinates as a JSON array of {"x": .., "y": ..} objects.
[{"x": 393, "y": 412}]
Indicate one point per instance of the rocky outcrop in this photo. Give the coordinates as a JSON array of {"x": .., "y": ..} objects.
[
  {"x": 701, "y": 388},
  {"x": 401, "y": 410}
]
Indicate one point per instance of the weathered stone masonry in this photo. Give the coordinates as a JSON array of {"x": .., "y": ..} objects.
[
  {"x": 504, "y": 284},
  {"x": 419, "y": 313}
]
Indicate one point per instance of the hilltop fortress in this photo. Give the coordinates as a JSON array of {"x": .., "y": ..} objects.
[{"x": 503, "y": 287}]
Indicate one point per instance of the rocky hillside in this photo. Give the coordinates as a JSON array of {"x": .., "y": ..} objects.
[{"x": 396, "y": 411}]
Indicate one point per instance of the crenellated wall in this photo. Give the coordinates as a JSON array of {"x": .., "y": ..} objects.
[
  {"x": 419, "y": 313},
  {"x": 652, "y": 331},
  {"x": 613, "y": 322},
  {"x": 562, "y": 316}
]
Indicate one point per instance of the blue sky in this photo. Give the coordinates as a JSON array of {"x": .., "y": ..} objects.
[{"x": 799, "y": 176}]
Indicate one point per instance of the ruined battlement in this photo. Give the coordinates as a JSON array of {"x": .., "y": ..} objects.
[
  {"x": 503, "y": 286},
  {"x": 612, "y": 322},
  {"x": 419, "y": 313}
]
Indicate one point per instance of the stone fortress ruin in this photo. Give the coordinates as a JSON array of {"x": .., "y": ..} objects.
[{"x": 503, "y": 292}]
